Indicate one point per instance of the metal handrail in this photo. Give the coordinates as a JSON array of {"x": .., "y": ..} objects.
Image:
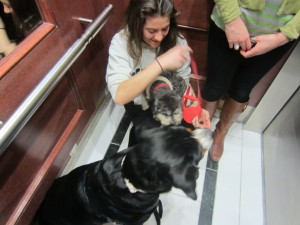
[{"x": 24, "y": 112}]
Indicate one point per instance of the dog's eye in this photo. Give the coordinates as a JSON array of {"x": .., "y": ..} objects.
[{"x": 168, "y": 113}]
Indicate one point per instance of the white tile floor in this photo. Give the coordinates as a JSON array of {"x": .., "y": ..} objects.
[{"x": 238, "y": 196}]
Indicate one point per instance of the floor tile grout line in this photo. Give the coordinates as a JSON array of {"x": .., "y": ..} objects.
[
  {"x": 112, "y": 143},
  {"x": 208, "y": 196},
  {"x": 211, "y": 169},
  {"x": 241, "y": 173},
  {"x": 119, "y": 129}
]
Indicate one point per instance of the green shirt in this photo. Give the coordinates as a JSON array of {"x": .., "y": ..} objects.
[{"x": 287, "y": 14}]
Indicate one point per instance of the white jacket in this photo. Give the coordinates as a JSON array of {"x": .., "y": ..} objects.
[{"x": 121, "y": 66}]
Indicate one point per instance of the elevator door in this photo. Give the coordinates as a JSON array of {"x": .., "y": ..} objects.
[{"x": 281, "y": 154}]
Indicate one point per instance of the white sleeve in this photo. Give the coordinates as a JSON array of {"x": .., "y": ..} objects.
[{"x": 119, "y": 64}]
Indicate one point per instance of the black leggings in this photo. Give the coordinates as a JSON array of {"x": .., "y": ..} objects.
[{"x": 228, "y": 71}]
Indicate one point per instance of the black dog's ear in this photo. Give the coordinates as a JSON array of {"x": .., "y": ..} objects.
[
  {"x": 184, "y": 177},
  {"x": 145, "y": 173},
  {"x": 144, "y": 122}
]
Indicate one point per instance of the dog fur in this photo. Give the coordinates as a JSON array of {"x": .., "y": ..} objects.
[
  {"x": 97, "y": 193},
  {"x": 166, "y": 106},
  {"x": 165, "y": 100}
]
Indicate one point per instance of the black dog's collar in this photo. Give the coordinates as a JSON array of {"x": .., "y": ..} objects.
[{"x": 129, "y": 185}]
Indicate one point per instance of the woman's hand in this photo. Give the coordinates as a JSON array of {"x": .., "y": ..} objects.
[
  {"x": 203, "y": 121},
  {"x": 174, "y": 58},
  {"x": 265, "y": 43},
  {"x": 237, "y": 34}
]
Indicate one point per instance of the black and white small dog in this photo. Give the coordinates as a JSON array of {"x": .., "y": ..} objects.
[
  {"x": 125, "y": 187},
  {"x": 164, "y": 96}
]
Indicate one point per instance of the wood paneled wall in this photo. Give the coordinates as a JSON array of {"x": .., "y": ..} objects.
[{"x": 40, "y": 152}]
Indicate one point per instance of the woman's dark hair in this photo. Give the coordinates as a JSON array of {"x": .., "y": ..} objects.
[
  {"x": 135, "y": 18},
  {"x": 25, "y": 15}
]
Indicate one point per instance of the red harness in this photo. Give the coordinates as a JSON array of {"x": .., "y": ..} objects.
[{"x": 190, "y": 112}]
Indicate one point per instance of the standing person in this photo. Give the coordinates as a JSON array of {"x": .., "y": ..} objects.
[
  {"x": 235, "y": 66},
  {"x": 148, "y": 44}
]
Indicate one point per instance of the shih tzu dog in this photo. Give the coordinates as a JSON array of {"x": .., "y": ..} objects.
[{"x": 164, "y": 96}]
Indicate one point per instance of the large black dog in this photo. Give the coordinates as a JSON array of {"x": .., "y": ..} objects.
[{"x": 125, "y": 187}]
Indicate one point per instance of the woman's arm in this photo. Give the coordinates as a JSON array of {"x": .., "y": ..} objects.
[
  {"x": 135, "y": 85},
  {"x": 265, "y": 43},
  {"x": 129, "y": 89},
  {"x": 292, "y": 28},
  {"x": 235, "y": 29},
  {"x": 229, "y": 9},
  {"x": 124, "y": 87},
  {"x": 268, "y": 42},
  {"x": 237, "y": 33}
]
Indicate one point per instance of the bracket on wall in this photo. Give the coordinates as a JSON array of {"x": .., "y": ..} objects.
[{"x": 83, "y": 20}]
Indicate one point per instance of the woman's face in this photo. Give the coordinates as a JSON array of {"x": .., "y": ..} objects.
[
  {"x": 6, "y": 6},
  {"x": 155, "y": 30}
]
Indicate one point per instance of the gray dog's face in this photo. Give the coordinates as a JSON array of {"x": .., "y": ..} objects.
[
  {"x": 167, "y": 108},
  {"x": 164, "y": 97}
]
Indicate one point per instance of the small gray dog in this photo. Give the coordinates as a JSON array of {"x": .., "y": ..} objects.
[{"x": 164, "y": 96}]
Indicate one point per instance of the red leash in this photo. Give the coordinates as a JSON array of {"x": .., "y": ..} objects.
[
  {"x": 189, "y": 113},
  {"x": 195, "y": 71}
]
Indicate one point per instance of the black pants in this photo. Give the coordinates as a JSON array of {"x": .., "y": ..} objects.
[
  {"x": 144, "y": 119},
  {"x": 228, "y": 71}
]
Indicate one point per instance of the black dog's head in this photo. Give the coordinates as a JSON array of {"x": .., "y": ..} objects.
[{"x": 165, "y": 157}]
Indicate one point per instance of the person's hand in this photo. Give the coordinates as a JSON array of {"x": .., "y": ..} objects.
[
  {"x": 203, "y": 121},
  {"x": 237, "y": 35},
  {"x": 175, "y": 57},
  {"x": 265, "y": 43}
]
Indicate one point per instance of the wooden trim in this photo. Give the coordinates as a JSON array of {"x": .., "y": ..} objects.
[
  {"x": 45, "y": 11},
  {"x": 192, "y": 28},
  {"x": 8, "y": 62},
  {"x": 39, "y": 178},
  {"x": 24, "y": 48}
]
